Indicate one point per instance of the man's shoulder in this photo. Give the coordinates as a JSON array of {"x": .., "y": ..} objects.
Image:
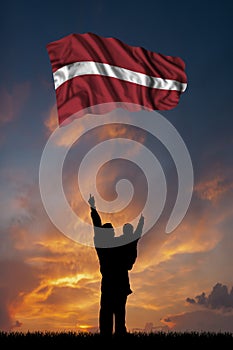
[{"x": 126, "y": 241}]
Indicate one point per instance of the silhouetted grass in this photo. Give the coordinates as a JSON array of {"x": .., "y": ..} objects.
[{"x": 134, "y": 339}]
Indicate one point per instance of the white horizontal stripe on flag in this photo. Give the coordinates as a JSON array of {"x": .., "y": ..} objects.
[{"x": 76, "y": 69}]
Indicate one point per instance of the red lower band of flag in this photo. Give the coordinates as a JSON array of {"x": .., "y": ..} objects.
[{"x": 79, "y": 94}]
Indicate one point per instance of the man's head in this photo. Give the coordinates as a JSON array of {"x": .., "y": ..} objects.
[
  {"x": 128, "y": 229},
  {"x": 110, "y": 230}
]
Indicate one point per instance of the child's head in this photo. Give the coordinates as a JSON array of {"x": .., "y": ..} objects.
[{"x": 128, "y": 229}]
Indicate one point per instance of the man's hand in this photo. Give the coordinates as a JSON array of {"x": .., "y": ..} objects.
[
  {"x": 138, "y": 231},
  {"x": 91, "y": 201},
  {"x": 141, "y": 221}
]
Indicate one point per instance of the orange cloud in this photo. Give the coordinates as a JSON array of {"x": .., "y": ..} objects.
[
  {"x": 213, "y": 188},
  {"x": 108, "y": 131},
  {"x": 51, "y": 123},
  {"x": 66, "y": 283}
]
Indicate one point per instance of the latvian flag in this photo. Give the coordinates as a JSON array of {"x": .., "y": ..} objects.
[{"x": 89, "y": 70}]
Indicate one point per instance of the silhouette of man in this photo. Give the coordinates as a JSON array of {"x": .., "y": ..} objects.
[{"x": 116, "y": 257}]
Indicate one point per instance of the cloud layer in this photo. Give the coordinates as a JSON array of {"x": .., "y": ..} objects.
[{"x": 50, "y": 282}]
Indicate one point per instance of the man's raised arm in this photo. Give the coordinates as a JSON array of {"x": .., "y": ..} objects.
[
  {"x": 138, "y": 231},
  {"x": 96, "y": 220}
]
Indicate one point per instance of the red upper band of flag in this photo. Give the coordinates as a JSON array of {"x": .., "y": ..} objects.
[{"x": 89, "y": 70}]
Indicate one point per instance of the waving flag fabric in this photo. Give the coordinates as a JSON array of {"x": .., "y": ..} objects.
[{"x": 90, "y": 70}]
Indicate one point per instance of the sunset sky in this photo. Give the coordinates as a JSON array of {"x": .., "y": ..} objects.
[{"x": 180, "y": 281}]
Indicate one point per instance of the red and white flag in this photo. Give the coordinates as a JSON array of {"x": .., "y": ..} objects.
[{"x": 90, "y": 70}]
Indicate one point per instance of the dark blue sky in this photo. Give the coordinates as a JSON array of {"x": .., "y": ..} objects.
[{"x": 199, "y": 32}]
